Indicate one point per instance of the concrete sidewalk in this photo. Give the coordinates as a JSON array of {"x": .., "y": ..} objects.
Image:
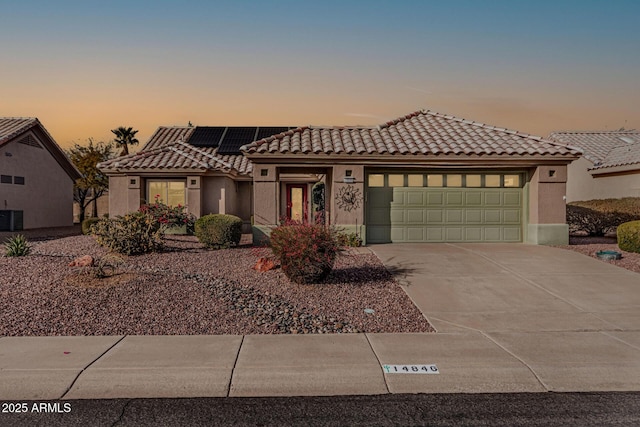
[{"x": 510, "y": 318}]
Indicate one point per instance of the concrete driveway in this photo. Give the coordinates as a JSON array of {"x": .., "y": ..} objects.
[
  {"x": 574, "y": 321},
  {"x": 514, "y": 287}
]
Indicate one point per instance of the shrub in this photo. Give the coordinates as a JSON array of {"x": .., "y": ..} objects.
[
  {"x": 596, "y": 223},
  {"x": 351, "y": 240},
  {"x": 306, "y": 252},
  {"x": 87, "y": 223},
  {"x": 629, "y": 236},
  {"x": 131, "y": 234},
  {"x": 17, "y": 246},
  {"x": 629, "y": 205},
  {"x": 171, "y": 216},
  {"x": 219, "y": 231}
]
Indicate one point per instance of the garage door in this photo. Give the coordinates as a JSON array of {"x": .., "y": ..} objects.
[{"x": 445, "y": 208}]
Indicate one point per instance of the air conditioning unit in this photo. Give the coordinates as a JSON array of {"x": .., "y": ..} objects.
[{"x": 11, "y": 220}]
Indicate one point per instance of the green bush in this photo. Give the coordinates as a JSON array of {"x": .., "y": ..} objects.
[
  {"x": 219, "y": 231},
  {"x": 596, "y": 222},
  {"x": 87, "y": 223},
  {"x": 306, "y": 252},
  {"x": 629, "y": 236},
  {"x": 131, "y": 234},
  {"x": 17, "y": 246}
]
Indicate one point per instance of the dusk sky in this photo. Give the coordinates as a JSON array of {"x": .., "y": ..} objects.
[{"x": 85, "y": 67}]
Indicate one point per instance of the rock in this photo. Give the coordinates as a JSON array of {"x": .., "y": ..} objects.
[
  {"x": 264, "y": 264},
  {"x": 83, "y": 261}
]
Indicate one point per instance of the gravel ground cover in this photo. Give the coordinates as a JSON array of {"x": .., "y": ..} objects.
[
  {"x": 186, "y": 289},
  {"x": 591, "y": 245}
]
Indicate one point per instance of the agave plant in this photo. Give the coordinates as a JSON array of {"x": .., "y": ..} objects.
[{"x": 17, "y": 246}]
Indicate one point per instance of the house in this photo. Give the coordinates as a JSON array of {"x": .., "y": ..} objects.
[
  {"x": 36, "y": 177},
  {"x": 424, "y": 177},
  {"x": 200, "y": 167},
  {"x": 609, "y": 168}
]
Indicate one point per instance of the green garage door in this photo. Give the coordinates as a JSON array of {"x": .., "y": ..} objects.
[{"x": 441, "y": 214}]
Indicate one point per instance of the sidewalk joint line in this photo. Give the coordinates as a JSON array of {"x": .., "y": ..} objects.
[
  {"x": 542, "y": 383},
  {"x": 87, "y": 367},
  {"x": 233, "y": 370},
  {"x": 620, "y": 339},
  {"x": 384, "y": 378}
]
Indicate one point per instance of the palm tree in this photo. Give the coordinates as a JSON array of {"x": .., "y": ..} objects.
[{"x": 124, "y": 138}]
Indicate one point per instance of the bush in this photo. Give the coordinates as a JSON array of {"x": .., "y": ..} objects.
[
  {"x": 629, "y": 205},
  {"x": 17, "y": 246},
  {"x": 87, "y": 223},
  {"x": 351, "y": 240},
  {"x": 171, "y": 216},
  {"x": 219, "y": 231},
  {"x": 629, "y": 236},
  {"x": 306, "y": 252},
  {"x": 131, "y": 234},
  {"x": 596, "y": 223}
]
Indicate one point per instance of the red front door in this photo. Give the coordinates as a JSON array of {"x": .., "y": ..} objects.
[{"x": 297, "y": 202}]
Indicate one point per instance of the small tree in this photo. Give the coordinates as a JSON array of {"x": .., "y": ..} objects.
[
  {"x": 93, "y": 183},
  {"x": 124, "y": 138}
]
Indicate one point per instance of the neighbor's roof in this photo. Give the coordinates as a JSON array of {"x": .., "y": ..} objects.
[
  {"x": 604, "y": 148},
  {"x": 168, "y": 149},
  {"x": 419, "y": 133},
  {"x": 12, "y": 127}
]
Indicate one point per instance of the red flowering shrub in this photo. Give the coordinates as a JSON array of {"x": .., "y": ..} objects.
[
  {"x": 170, "y": 216},
  {"x": 306, "y": 252}
]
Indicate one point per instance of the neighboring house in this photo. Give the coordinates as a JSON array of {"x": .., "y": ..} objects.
[
  {"x": 425, "y": 177},
  {"x": 609, "y": 168},
  {"x": 200, "y": 167},
  {"x": 36, "y": 177}
]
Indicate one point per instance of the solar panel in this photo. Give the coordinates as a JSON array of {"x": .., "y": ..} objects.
[
  {"x": 269, "y": 131},
  {"x": 206, "y": 136},
  {"x": 235, "y": 138}
]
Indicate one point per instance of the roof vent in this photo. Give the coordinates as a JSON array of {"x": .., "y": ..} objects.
[{"x": 627, "y": 139}]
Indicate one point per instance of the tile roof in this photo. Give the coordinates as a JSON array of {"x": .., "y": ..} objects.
[
  {"x": 176, "y": 154},
  {"x": 598, "y": 146},
  {"x": 10, "y": 127},
  {"x": 419, "y": 133}
]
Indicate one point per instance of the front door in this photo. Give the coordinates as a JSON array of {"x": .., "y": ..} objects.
[{"x": 297, "y": 202}]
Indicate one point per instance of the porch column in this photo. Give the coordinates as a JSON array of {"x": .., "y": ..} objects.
[
  {"x": 194, "y": 195},
  {"x": 265, "y": 199}
]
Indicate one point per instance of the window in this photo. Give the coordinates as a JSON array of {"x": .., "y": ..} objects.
[
  {"x": 454, "y": 180},
  {"x": 376, "y": 180},
  {"x": 492, "y": 180},
  {"x": 18, "y": 180},
  {"x": 6, "y": 179},
  {"x": 415, "y": 181},
  {"x": 512, "y": 180},
  {"x": 171, "y": 193},
  {"x": 396, "y": 180},
  {"x": 434, "y": 180},
  {"x": 474, "y": 180}
]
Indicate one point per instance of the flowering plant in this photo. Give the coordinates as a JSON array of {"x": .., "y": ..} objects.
[
  {"x": 306, "y": 251},
  {"x": 170, "y": 216}
]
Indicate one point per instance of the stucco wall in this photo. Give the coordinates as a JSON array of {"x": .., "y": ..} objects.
[
  {"x": 547, "y": 207},
  {"x": 582, "y": 185},
  {"x": 346, "y": 213},
  {"x": 46, "y": 198}
]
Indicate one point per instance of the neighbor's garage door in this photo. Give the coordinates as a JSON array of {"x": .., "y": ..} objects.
[{"x": 444, "y": 208}]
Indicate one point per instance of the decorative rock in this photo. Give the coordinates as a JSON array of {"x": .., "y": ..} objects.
[
  {"x": 264, "y": 264},
  {"x": 83, "y": 261}
]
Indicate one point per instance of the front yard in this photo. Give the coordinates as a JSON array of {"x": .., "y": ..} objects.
[
  {"x": 591, "y": 245},
  {"x": 186, "y": 289}
]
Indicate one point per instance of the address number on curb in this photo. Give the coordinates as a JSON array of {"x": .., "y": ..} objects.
[{"x": 410, "y": 369}]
